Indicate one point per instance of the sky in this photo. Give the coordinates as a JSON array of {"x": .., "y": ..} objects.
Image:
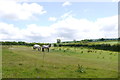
[{"x": 45, "y": 22}]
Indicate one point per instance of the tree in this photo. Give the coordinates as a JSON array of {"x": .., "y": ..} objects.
[
  {"x": 58, "y": 41},
  {"x": 74, "y": 41},
  {"x": 102, "y": 39},
  {"x": 21, "y": 43},
  {"x": 119, "y": 39}
]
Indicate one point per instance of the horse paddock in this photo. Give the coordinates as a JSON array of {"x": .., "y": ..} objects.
[{"x": 59, "y": 62}]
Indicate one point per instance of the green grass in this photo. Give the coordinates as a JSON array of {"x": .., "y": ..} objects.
[
  {"x": 106, "y": 42},
  {"x": 60, "y": 62},
  {"x": 0, "y": 61}
]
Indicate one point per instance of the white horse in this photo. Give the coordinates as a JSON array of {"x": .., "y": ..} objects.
[
  {"x": 45, "y": 47},
  {"x": 37, "y": 47}
]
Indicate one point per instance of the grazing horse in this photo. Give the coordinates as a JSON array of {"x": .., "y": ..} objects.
[
  {"x": 37, "y": 47},
  {"x": 45, "y": 47}
]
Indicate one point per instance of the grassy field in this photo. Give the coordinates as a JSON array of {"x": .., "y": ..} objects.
[
  {"x": 0, "y": 61},
  {"x": 60, "y": 62},
  {"x": 106, "y": 42}
]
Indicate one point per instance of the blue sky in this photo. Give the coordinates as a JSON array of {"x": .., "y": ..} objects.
[{"x": 56, "y": 18}]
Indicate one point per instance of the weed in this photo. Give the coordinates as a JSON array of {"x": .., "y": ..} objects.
[
  {"x": 103, "y": 57},
  {"x": 20, "y": 64},
  {"x": 42, "y": 65},
  {"x": 110, "y": 53},
  {"x": 59, "y": 48},
  {"x": 67, "y": 49},
  {"x": 89, "y": 51},
  {"x": 37, "y": 70},
  {"x": 81, "y": 51},
  {"x": 81, "y": 69},
  {"x": 64, "y": 67},
  {"x": 64, "y": 51}
]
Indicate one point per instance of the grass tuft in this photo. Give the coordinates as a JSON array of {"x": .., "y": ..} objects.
[
  {"x": 81, "y": 69},
  {"x": 37, "y": 70}
]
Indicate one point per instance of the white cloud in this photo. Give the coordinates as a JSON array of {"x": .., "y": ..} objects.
[
  {"x": 52, "y": 19},
  {"x": 68, "y": 28},
  {"x": 115, "y": 0},
  {"x": 67, "y": 3},
  {"x": 19, "y": 11},
  {"x": 9, "y": 32},
  {"x": 108, "y": 26},
  {"x": 68, "y": 14}
]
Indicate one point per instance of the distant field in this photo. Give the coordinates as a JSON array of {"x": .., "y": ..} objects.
[
  {"x": 106, "y": 42},
  {"x": 60, "y": 62}
]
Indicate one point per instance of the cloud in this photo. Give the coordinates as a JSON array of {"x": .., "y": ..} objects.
[
  {"x": 103, "y": 23},
  {"x": 9, "y": 32},
  {"x": 66, "y": 4},
  {"x": 115, "y": 0},
  {"x": 52, "y": 19},
  {"x": 108, "y": 26},
  {"x": 72, "y": 28},
  {"x": 68, "y": 28},
  {"x": 68, "y": 14},
  {"x": 14, "y": 10}
]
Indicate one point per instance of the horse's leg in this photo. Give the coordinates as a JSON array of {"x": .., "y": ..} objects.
[
  {"x": 38, "y": 49},
  {"x": 34, "y": 48},
  {"x": 42, "y": 49},
  {"x": 48, "y": 49}
]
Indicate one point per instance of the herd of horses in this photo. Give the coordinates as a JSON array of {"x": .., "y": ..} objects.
[{"x": 43, "y": 47}]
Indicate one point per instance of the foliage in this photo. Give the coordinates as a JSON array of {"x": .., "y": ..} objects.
[
  {"x": 21, "y": 43},
  {"x": 58, "y": 40}
]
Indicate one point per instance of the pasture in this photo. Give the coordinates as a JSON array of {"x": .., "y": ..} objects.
[
  {"x": 106, "y": 42},
  {"x": 60, "y": 62}
]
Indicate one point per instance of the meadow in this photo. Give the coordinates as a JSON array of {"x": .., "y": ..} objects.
[
  {"x": 107, "y": 42},
  {"x": 60, "y": 62}
]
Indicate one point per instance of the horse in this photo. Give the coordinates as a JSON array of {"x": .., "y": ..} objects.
[
  {"x": 37, "y": 47},
  {"x": 46, "y": 47}
]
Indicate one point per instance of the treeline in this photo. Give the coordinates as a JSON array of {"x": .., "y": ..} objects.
[
  {"x": 21, "y": 43},
  {"x": 115, "y": 47},
  {"x": 93, "y": 40}
]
